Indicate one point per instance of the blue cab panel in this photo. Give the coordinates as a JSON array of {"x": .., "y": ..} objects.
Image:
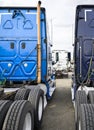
[
  {"x": 18, "y": 44},
  {"x": 84, "y": 45}
]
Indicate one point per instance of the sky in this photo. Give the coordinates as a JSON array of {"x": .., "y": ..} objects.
[{"x": 60, "y": 18}]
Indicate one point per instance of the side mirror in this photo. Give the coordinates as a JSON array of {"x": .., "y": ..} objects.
[
  {"x": 53, "y": 62},
  {"x": 57, "y": 56},
  {"x": 69, "y": 56}
]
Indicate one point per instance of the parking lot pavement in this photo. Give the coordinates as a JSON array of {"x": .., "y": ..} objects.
[{"x": 59, "y": 114}]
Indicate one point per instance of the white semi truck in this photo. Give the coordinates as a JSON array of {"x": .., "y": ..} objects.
[{"x": 60, "y": 62}]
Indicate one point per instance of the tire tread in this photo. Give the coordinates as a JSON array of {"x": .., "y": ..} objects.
[
  {"x": 22, "y": 94},
  {"x": 87, "y": 116},
  {"x": 81, "y": 98}
]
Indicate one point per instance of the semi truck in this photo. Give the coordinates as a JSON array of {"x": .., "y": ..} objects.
[
  {"x": 60, "y": 63},
  {"x": 26, "y": 77},
  {"x": 83, "y": 79}
]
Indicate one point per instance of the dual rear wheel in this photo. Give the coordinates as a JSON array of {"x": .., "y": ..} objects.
[
  {"x": 36, "y": 97},
  {"x": 25, "y": 113},
  {"x": 84, "y": 110}
]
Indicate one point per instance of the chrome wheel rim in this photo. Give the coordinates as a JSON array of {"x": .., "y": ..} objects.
[
  {"x": 27, "y": 122},
  {"x": 40, "y": 108}
]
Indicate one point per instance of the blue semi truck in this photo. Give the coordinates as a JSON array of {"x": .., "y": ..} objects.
[
  {"x": 26, "y": 75},
  {"x": 83, "y": 79}
]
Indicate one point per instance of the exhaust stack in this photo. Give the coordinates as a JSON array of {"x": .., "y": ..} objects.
[{"x": 39, "y": 43}]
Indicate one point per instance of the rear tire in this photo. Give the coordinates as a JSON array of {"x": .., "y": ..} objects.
[
  {"x": 22, "y": 94},
  {"x": 19, "y": 116},
  {"x": 4, "y": 106},
  {"x": 86, "y": 121},
  {"x": 91, "y": 96},
  {"x": 36, "y": 97},
  {"x": 80, "y": 98}
]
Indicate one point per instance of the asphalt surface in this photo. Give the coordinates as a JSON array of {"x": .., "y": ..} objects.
[{"x": 59, "y": 114}]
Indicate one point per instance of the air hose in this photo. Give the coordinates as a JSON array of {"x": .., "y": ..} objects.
[{"x": 88, "y": 72}]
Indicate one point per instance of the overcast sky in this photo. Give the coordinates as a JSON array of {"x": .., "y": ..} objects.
[{"x": 60, "y": 14}]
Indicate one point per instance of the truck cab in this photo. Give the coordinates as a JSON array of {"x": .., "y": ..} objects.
[
  {"x": 83, "y": 79},
  {"x": 84, "y": 47},
  {"x": 26, "y": 76}
]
